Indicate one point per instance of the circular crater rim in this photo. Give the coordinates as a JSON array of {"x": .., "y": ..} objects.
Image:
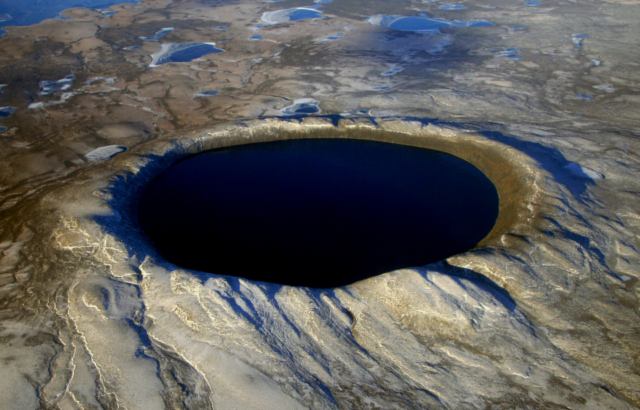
[{"x": 506, "y": 168}]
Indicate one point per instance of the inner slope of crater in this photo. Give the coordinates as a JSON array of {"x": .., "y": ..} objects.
[{"x": 320, "y": 213}]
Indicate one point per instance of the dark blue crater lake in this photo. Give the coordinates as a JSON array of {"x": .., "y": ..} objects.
[{"x": 320, "y": 213}]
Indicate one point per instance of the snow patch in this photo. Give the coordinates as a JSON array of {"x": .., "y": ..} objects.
[
  {"x": 105, "y": 152},
  {"x": 584, "y": 172}
]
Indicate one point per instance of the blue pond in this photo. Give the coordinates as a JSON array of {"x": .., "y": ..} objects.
[
  {"x": 320, "y": 213},
  {"x": 577, "y": 39},
  {"x": 421, "y": 24},
  {"x": 302, "y": 106},
  {"x": 509, "y": 52},
  {"x": 50, "y": 87},
  {"x": 6, "y": 111},
  {"x": 182, "y": 52},
  {"x": 392, "y": 71},
  {"x": 283, "y": 16},
  {"x": 452, "y": 7},
  {"x": 28, "y": 12},
  {"x": 206, "y": 93},
  {"x": 334, "y": 37}
]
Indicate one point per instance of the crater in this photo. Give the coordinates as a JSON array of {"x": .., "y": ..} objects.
[{"x": 316, "y": 212}]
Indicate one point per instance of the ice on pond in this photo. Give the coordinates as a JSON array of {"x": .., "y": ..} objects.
[
  {"x": 206, "y": 93},
  {"x": 583, "y": 172},
  {"x": 106, "y": 152},
  {"x": 452, "y": 7},
  {"x": 49, "y": 87},
  {"x": 286, "y": 15},
  {"x": 64, "y": 97},
  {"x": 577, "y": 39},
  {"x": 421, "y": 24},
  {"x": 35, "y": 105},
  {"x": 159, "y": 34},
  {"x": 182, "y": 52},
  {"x": 362, "y": 111},
  {"x": 302, "y": 106},
  {"x": 108, "y": 13},
  {"x": 605, "y": 87},
  {"x": 255, "y": 37},
  {"x": 331, "y": 38},
  {"x": 6, "y": 111},
  {"x": 2, "y": 86},
  {"x": 108, "y": 80},
  {"x": 508, "y": 52},
  {"x": 133, "y": 48},
  {"x": 392, "y": 71},
  {"x": 323, "y": 1},
  {"x": 29, "y": 12},
  {"x": 595, "y": 63}
]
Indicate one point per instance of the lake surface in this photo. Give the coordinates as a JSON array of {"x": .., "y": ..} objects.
[
  {"x": 28, "y": 12},
  {"x": 316, "y": 212}
]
